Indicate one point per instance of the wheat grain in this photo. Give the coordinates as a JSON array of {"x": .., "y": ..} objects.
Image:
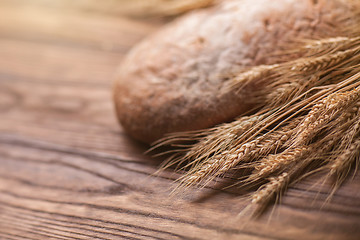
[
  {"x": 323, "y": 112},
  {"x": 219, "y": 164},
  {"x": 275, "y": 185},
  {"x": 329, "y": 45},
  {"x": 276, "y": 162},
  {"x": 252, "y": 75},
  {"x": 323, "y": 62},
  {"x": 344, "y": 160},
  {"x": 229, "y": 159}
]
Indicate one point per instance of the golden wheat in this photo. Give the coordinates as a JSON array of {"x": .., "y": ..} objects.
[
  {"x": 309, "y": 121},
  {"x": 275, "y": 185}
]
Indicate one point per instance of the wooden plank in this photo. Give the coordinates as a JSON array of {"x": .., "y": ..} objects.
[
  {"x": 72, "y": 28},
  {"x": 134, "y": 8},
  {"x": 74, "y": 46},
  {"x": 121, "y": 192},
  {"x": 69, "y": 171},
  {"x": 32, "y": 61}
]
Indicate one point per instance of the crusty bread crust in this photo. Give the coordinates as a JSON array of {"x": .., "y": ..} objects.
[{"x": 171, "y": 81}]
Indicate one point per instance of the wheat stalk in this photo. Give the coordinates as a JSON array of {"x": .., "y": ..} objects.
[
  {"x": 343, "y": 161},
  {"x": 275, "y": 185},
  {"x": 276, "y": 162},
  {"x": 309, "y": 120},
  {"x": 322, "y": 113},
  {"x": 328, "y": 45}
]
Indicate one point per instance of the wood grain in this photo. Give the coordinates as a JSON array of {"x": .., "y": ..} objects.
[{"x": 68, "y": 171}]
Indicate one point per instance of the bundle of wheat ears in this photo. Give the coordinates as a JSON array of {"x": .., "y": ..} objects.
[{"x": 309, "y": 122}]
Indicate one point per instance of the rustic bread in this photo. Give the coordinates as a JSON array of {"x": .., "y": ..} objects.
[{"x": 170, "y": 81}]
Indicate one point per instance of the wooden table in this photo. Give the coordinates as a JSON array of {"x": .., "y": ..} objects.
[{"x": 67, "y": 170}]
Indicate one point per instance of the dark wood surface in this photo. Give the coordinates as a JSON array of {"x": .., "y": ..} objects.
[{"x": 68, "y": 171}]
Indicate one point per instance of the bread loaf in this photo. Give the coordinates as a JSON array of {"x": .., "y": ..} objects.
[{"x": 171, "y": 81}]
